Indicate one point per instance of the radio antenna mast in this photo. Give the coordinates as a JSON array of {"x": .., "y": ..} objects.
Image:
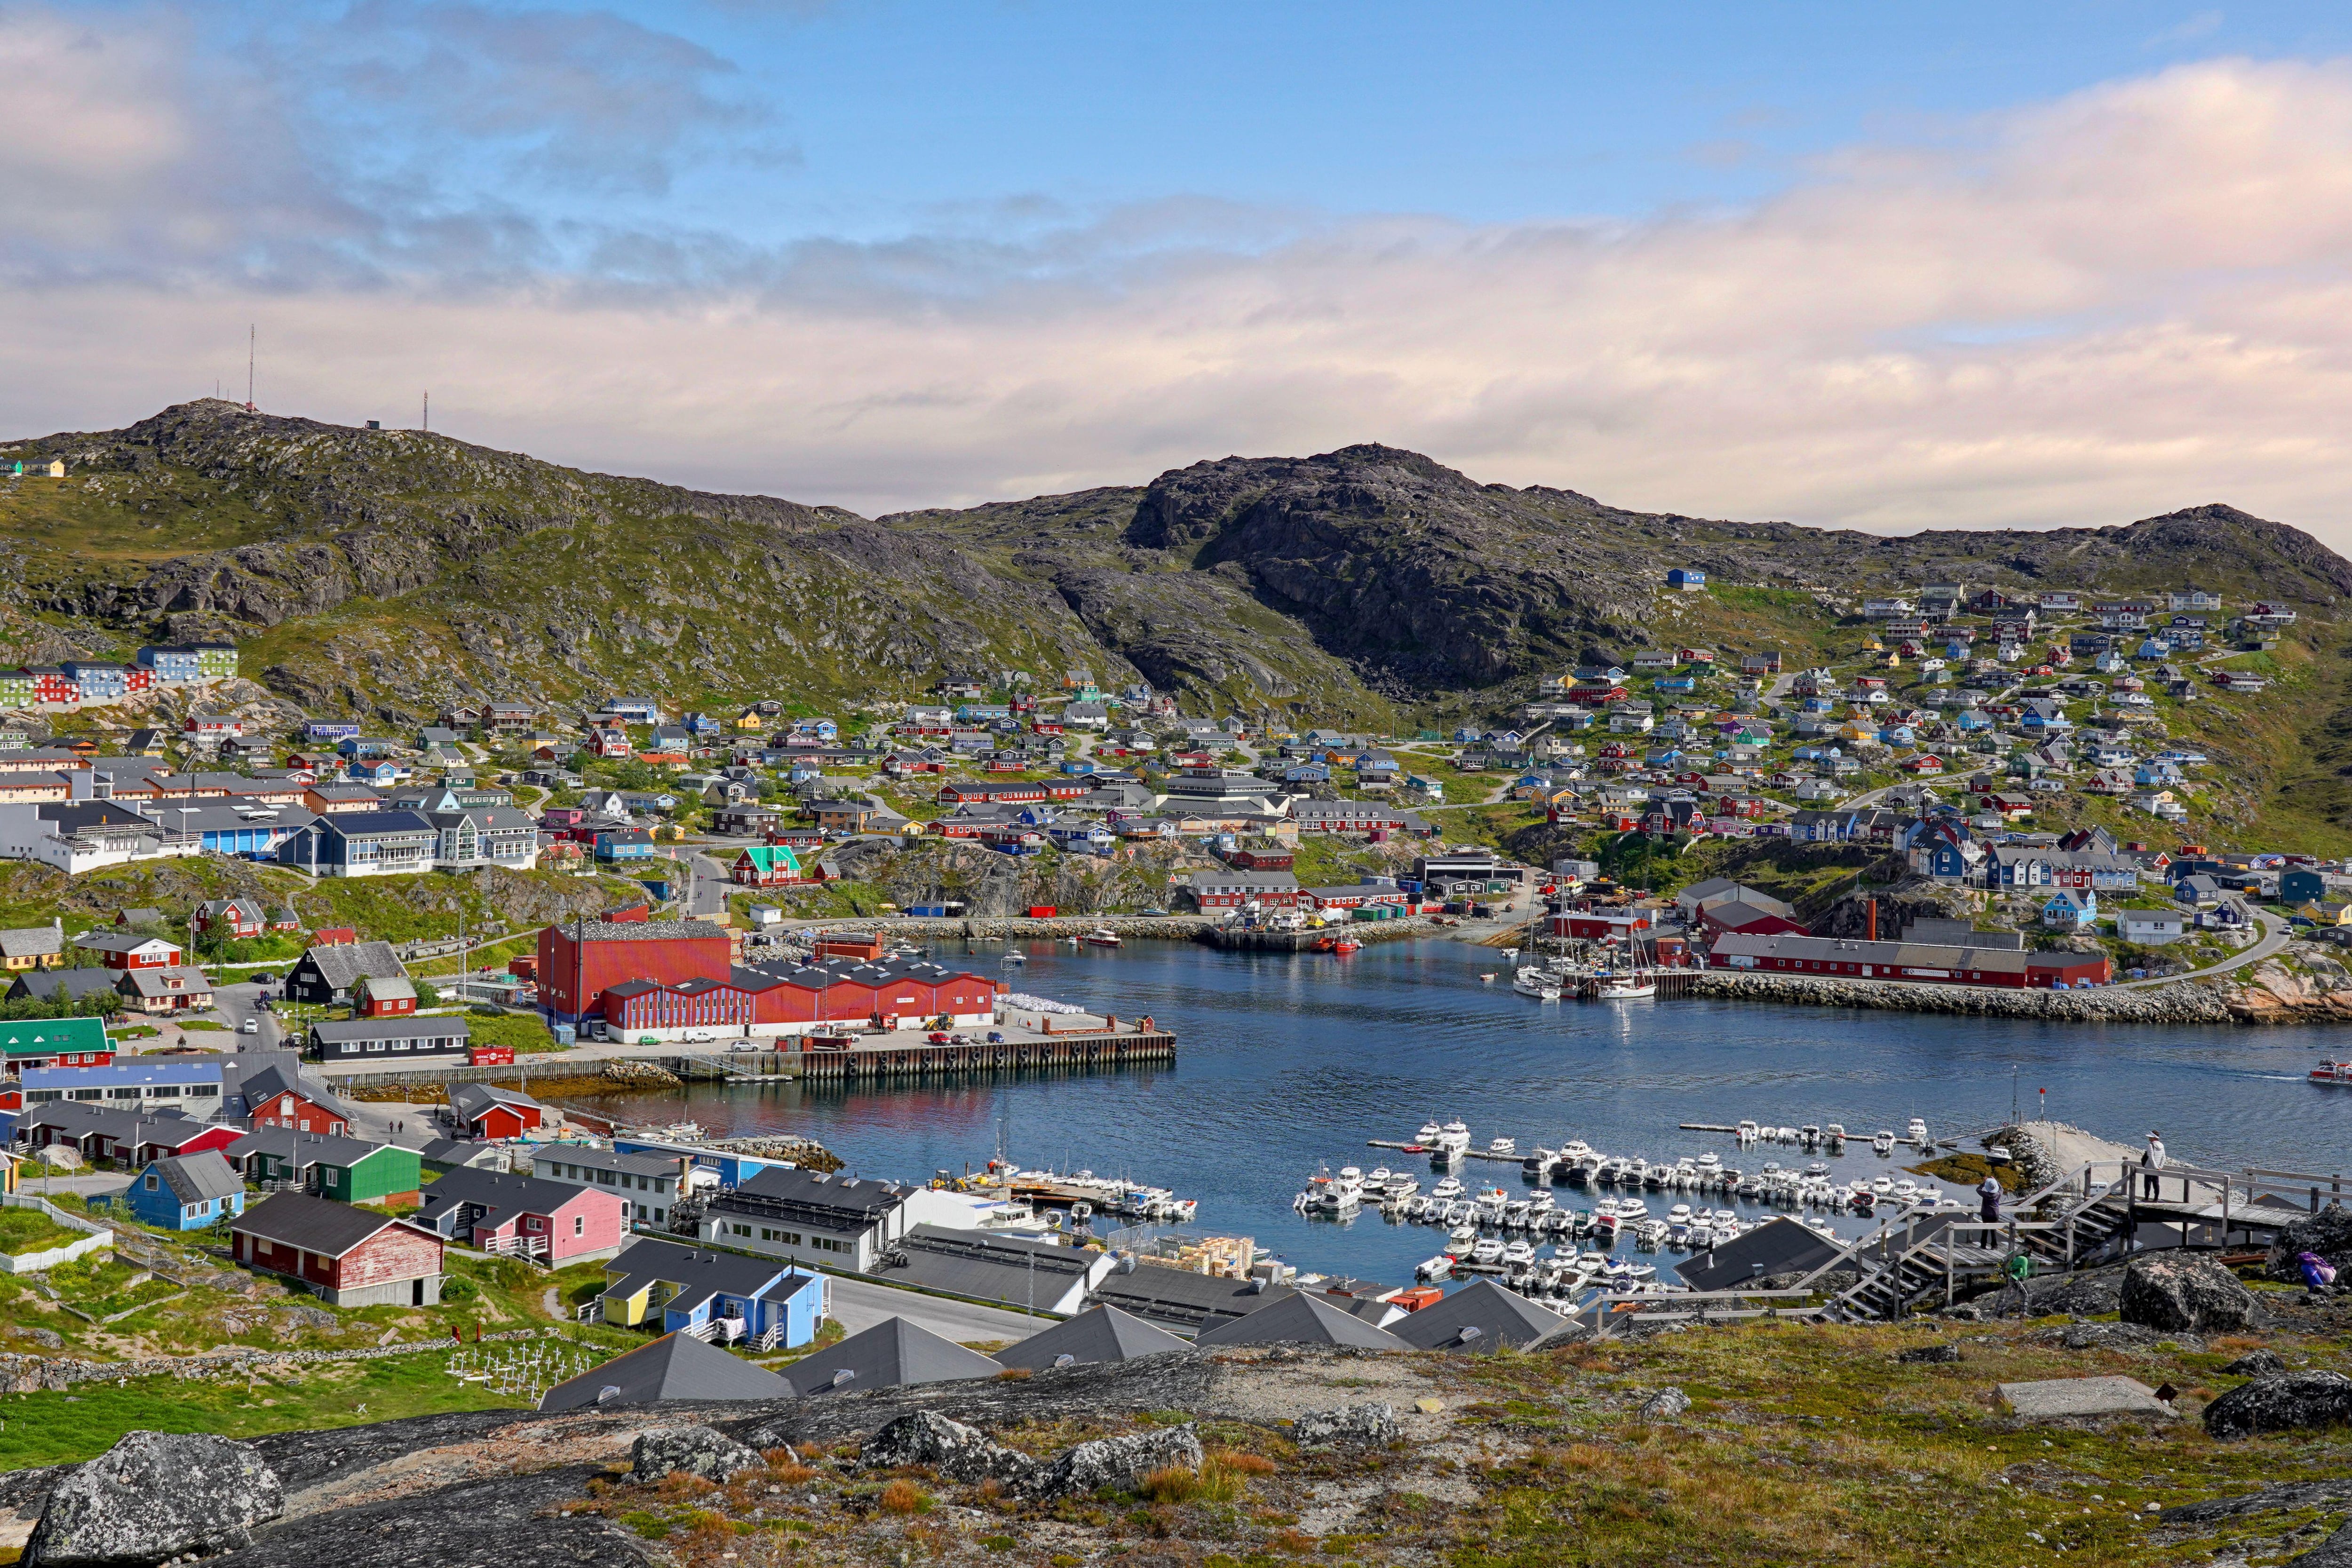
[
  {"x": 248, "y": 366},
  {"x": 428, "y": 410}
]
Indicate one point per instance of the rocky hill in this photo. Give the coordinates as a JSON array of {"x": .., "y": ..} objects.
[{"x": 389, "y": 572}]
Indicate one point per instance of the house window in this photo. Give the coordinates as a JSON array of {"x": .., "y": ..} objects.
[
  {"x": 151, "y": 1183},
  {"x": 579, "y": 1225}
]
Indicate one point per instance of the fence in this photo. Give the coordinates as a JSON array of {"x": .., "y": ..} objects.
[{"x": 93, "y": 1237}]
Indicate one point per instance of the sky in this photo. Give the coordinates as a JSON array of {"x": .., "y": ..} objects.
[{"x": 1885, "y": 267}]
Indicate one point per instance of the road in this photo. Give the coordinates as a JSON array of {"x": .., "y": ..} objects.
[
  {"x": 2276, "y": 935},
  {"x": 859, "y": 1304},
  {"x": 235, "y": 1003}
]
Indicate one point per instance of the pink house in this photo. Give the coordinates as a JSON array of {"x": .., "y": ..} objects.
[{"x": 550, "y": 1220}]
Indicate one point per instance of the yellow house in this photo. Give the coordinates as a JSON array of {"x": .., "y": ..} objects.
[
  {"x": 751, "y": 719},
  {"x": 32, "y": 948},
  {"x": 56, "y": 468}
]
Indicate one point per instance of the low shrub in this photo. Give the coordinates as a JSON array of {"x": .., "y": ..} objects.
[{"x": 905, "y": 1497}]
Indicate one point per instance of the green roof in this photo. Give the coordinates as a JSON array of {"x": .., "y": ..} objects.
[
  {"x": 773, "y": 857},
  {"x": 47, "y": 1037}
]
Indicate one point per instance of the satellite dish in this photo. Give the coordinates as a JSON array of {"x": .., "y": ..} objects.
[
  {"x": 610, "y": 1391},
  {"x": 845, "y": 1376},
  {"x": 1065, "y": 1359}
]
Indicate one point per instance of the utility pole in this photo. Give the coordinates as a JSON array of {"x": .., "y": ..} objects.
[
  {"x": 427, "y": 418},
  {"x": 250, "y": 332}
]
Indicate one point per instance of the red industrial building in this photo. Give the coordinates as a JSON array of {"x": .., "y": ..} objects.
[
  {"x": 1599, "y": 925},
  {"x": 786, "y": 1001},
  {"x": 580, "y": 962},
  {"x": 1933, "y": 963}
]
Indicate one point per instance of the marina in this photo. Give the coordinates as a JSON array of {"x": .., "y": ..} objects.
[{"x": 1290, "y": 1060}]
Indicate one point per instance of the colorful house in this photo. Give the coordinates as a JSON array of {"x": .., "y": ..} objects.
[
  {"x": 667, "y": 1287},
  {"x": 493, "y": 1112},
  {"x": 55, "y": 1042},
  {"x": 186, "y": 1192},
  {"x": 767, "y": 865},
  {"x": 348, "y": 1257},
  {"x": 552, "y": 1222}
]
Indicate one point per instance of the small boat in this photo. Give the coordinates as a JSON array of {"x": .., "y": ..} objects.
[
  {"x": 1748, "y": 1131},
  {"x": 1428, "y": 1136},
  {"x": 1517, "y": 1253},
  {"x": 1447, "y": 1189},
  {"x": 1398, "y": 1188},
  {"x": 1535, "y": 983},
  {"x": 1103, "y": 937},
  {"x": 1917, "y": 1131},
  {"x": 1433, "y": 1269},
  {"x": 1486, "y": 979},
  {"x": 1624, "y": 988},
  {"x": 1881, "y": 1142},
  {"x": 1346, "y": 945},
  {"x": 1417, "y": 1208},
  {"x": 1461, "y": 1239},
  {"x": 1488, "y": 1253},
  {"x": 2335, "y": 1073},
  {"x": 1503, "y": 1146},
  {"x": 1014, "y": 957}
]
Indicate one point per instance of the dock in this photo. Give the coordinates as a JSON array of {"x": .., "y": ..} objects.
[{"x": 857, "y": 1062}]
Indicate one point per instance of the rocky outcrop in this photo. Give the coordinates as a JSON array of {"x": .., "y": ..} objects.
[
  {"x": 2255, "y": 1364},
  {"x": 697, "y": 1450},
  {"x": 1930, "y": 1354},
  {"x": 1115, "y": 1464},
  {"x": 1664, "y": 1404},
  {"x": 957, "y": 1452},
  {"x": 2188, "y": 1002},
  {"x": 2284, "y": 1402},
  {"x": 2327, "y": 1233},
  {"x": 156, "y": 1496},
  {"x": 1368, "y": 1423},
  {"x": 2178, "y": 1293}
]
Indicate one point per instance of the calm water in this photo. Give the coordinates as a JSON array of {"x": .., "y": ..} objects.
[{"x": 1289, "y": 1061}]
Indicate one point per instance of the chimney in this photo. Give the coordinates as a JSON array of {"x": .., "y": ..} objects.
[{"x": 1873, "y": 926}]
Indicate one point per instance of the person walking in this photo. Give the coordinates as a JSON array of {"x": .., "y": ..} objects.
[
  {"x": 1988, "y": 1199},
  {"x": 2151, "y": 1160}
]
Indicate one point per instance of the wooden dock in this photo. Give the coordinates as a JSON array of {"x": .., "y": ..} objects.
[{"x": 920, "y": 1059}]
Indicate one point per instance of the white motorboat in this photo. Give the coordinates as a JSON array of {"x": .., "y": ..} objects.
[
  {"x": 1398, "y": 1188},
  {"x": 1576, "y": 1150},
  {"x": 1015, "y": 957},
  {"x": 1431, "y": 1271},
  {"x": 1454, "y": 1140},
  {"x": 1417, "y": 1208},
  {"x": 1342, "y": 1193},
  {"x": 1428, "y": 1136},
  {"x": 1917, "y": 1131},
  {"x": 1460, "y": 1240},
  {"x": 1519, "y": 1252},
  {"x": 1378, "y": 1179},
  {"x": 1492, "y": 1205},
  {"x": 1748, "y": 1132},
  {"x": 1535, "y": 983},
  {"x": 1709, "y": 1164},
  {"x": 1447, "y": 1189},
  {"x": 1834, "y": 1135},
  {"x": 1881, "y": 1142},
  {"x": 1488, "y": 1253},
  {"x": 1503, "y": 1146}
]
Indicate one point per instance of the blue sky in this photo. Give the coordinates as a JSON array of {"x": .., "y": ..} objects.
[{"x": 1884, "y": 266}]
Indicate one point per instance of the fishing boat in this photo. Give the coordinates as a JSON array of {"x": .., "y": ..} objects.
[
  {"x": 1346, "y": 945},
  {"x": 2338, "y": 1074},
  {"x": 1014, "y": 957},
  {"x": 1102, "y": 937}
]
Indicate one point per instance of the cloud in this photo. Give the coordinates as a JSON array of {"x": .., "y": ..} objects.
[{"x": 2125, "y": 300}]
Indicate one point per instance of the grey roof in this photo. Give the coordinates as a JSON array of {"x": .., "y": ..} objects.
[
  {"x": 589, "y": 1159},
  {"x": 345, "y": 964},
  {"x": 1009, "y": 1268},
  {"x": 1097, "y": 1334},
  {"x": 194, "y": 1178},
  {"x": 499, "y": 1192},
  {"x": 814, "y": 1196},
  {"x": 403, "y": 1025},
  {"x": 1180, "y": 1299},
  {"x": 448, "y": 1154},
  {"x": 697, "y": 1273},
  {"x": 315, "y": 1223},
  {"x": 893, "y": 1353},
  {"x": 78, "y": 983},
  {"x": 638, "y": 930},
  {"x": 281, "y": 1077},
  {"x": 301, "y": 1150},
  {"x": 1777, "y": 1247},
  {"x": 674, "y": 1366},
  {"x": 1300, "y": 1318},
  {"x": 471, "y": 1099},
  {"x": 1501, "y": 1317}
]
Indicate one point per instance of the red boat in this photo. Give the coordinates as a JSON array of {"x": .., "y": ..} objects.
[
  {"x": 1347, "y": 944},
  {"x": 2336, "y": 1073}
]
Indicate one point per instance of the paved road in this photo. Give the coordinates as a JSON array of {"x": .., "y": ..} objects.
[
  {"x": 2276, "y": 934},
  {"x": 235, "y": 1004},
  {"x": 859, "y": 1304}
]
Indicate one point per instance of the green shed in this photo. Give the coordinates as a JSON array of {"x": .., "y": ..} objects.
[{"x": 385, "y": 1171}]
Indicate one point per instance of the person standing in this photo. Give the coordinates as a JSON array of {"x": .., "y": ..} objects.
[
  {"x": 1988, "y": 1199},
  {"x": 2151, "y": 1160}
]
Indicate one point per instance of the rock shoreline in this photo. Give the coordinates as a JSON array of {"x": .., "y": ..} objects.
[{"x": 2188, "y": 1002}]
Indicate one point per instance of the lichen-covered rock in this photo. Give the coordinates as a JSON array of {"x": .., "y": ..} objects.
[
  {"x": 2255, "y": 1364},
  {"x": 2283, "y": 1402},
  {"x": 1930, "y": 1354},
  {"x": 698, "y": 1450},
  {"x": 1664, "y": 1404},
  {"x": 960, "y": 1453},
  {"x": 1116, "y": 1464},
  {"x": 2182, "y": 1294},
  {"x": 2111, "y": 1336},
  {"x": 153, "y": 1496},
  {"x": 1370, "y": 1424}
]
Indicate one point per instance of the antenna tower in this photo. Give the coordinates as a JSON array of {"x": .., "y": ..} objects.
[
  {"x": 248, "y": 366},
  {"x": 428, "y": 410}
]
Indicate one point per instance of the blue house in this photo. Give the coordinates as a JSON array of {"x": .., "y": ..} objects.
[
  {"x": 173, "y": 665},
  {"x": 101, "y": 680},
  {"x": 356, "y": 745},
  {"x": 1674, "y": 684},
  {"x": 2301, "y": 886},
  {"x": 330, "y": 729},
  {"x": 624, "y": 844},
  {"x": 377, "y": 771},
  {"x": 1688, "y": 579},
  {"x": 186, "y": 1192},
  {"x": 2071, "y": 909},
  {"x": 675, "y": 1289}
]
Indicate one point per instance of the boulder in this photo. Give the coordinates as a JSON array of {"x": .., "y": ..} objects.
[
  {"x": 2255, "y": 1364},
  {"x": 2327, "y": 1233},
  {"x": 1930, "y": 1355},
  {"x": 698, "y": 1450},
  {"x": 1116, "y": 1464},
  {"x": 2335, "y": 1551},
  {"x": 2109, "y": 1336},
  {"x": 960, "y": 1453},
  {"x": 2282, "y": 1402},
  {"x": 153, "y": 1496},
  {"x": 2179, "y": 1295},
  {"x": 1371, "y": 1424},
  {"x": 1664, "y": 1404}
]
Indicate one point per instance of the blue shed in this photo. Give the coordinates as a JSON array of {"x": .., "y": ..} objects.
[
  {"x": 186, "y": 1192},
  {"x": 2301, "y": 886},
  {"x": 1689, "y": 579}
]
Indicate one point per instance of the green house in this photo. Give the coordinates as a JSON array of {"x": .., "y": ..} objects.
[
  {"x": 386, "y": 1171},
  {"x": 55, "y": 1042},
  {"x": 349, "y": 1170}
]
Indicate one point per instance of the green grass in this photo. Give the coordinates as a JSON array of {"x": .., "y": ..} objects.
[{"x": 26, "y": 1230}]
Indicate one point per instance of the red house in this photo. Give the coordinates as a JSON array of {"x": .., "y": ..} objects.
[
  {"x": 382, "y": 996},
  {"x": 492, "y": 1113},
  {"x": 129, "y": 950},
  {"x": 276, "y": 1098},
  {"x": 164, "y": 1138},
  {"x": 610, "y": 743},
  {"x": 52, "y": 685},
  {"x": 350, "y": 1256},
  {"x": 1587, "y": 925},
  {"x": 239, "y": 917}
]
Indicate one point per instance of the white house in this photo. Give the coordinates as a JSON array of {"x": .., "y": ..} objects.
[{"x": 2152, "y": 927}]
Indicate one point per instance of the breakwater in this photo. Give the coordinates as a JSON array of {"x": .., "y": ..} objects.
[
  {"x": 2189, "y": 1003},
  {"x": 1059, "y": 927},
  {"x": 1364, "y": 931}
]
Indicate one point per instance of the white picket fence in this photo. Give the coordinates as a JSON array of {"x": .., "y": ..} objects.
[{"x": 94, "y": 1237}]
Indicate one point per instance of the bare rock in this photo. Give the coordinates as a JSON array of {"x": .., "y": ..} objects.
[
  {"x": 2255, "y": 1364},
  {"x": 1116, "y": 1464},
  {"x": 1664, "y": 1404},
  {"x": 1369, "y": 1424},
  {"x": 698, "y": 1450},
  {"x": 48, "y": 1339},
  {"x": 2327, "y": 1233},
  {"x": 2185, "y": 1295},
  {"x": 2283, "y": 1402},
  {"x": 960, "y": 1453},
  {"x": 1931, "y": 1355},
  {"x": 153, "y": 1496}
]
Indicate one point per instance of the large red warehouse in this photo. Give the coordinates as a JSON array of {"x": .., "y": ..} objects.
[
  {"x": 788, "y": 1000},
  {"x": 579, "y": 962}
]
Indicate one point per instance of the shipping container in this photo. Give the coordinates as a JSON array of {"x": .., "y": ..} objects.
[{"x": 1041, "y": 912}]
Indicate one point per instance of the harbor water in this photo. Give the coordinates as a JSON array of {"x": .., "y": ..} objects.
[{"x": 1288, "y": 1062}]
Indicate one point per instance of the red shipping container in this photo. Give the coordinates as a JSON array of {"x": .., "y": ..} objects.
[
  {"x": 491, "y": 1056},
  {"x": 1041, "y": 912}
]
